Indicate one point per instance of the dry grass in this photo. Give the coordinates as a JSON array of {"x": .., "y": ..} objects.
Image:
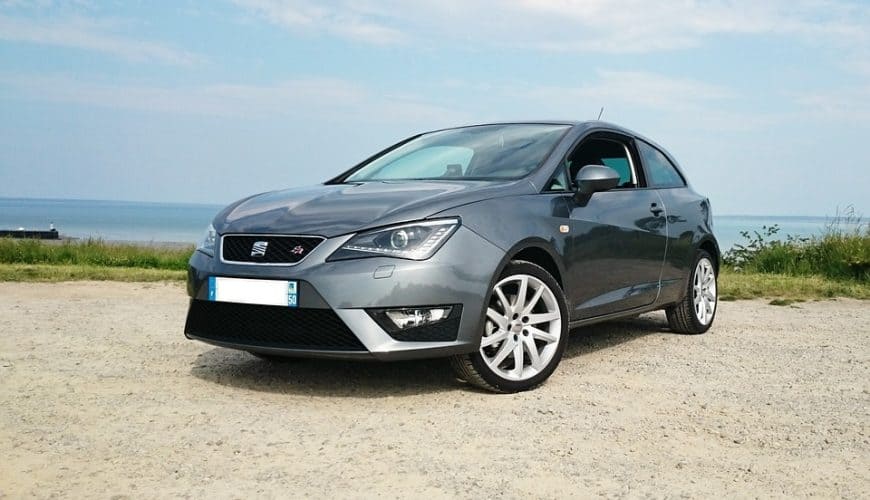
[
  {"x": 67, "y": 272},
  {"x": 748, "y": 285}
]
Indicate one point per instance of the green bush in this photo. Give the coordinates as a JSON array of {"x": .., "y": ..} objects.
[
  {"x": 842, "y": 252},
  {"x": 93, "y": 252}
]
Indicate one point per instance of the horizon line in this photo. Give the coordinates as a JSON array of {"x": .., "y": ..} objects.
[{"x": 214, "y": 204}]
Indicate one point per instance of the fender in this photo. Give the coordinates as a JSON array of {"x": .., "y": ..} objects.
[{"x": 525, "y": 244}]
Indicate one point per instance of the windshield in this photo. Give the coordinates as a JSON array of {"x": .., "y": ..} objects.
[{"x": 483, "y": 152}]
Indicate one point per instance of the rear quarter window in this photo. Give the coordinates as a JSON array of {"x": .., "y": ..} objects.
[{"x": 660, "y": 172}]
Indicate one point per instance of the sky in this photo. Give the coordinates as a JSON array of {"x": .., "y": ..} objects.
[{"x": 766, "y": 105}]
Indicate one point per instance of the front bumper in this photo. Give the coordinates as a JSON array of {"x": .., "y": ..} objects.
[{"x": 334, "y": 296}]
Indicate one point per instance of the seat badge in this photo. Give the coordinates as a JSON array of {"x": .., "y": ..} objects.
[{"x": 259, "y": 248}]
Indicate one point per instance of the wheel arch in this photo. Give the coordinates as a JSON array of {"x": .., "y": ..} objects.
[
  {"x": 537, "y": 251},
  {"x": 710, "y": 246},
  {"x": 538, "y": 255}
]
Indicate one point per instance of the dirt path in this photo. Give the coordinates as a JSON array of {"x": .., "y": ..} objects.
[{"x": 102, "y": 396}]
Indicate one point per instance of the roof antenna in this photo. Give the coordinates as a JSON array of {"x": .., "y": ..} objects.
[{"x": 600, "y": 113}]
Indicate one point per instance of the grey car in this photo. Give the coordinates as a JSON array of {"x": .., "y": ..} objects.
[{"x": 484, "y": 244}]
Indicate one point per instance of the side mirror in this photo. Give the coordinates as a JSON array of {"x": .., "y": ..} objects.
[{"x": 593, "y": 178}]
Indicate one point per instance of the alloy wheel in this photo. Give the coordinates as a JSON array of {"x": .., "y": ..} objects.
[
  {"x": 704, "y": 291},
  {"x": 523, "y": 328}
]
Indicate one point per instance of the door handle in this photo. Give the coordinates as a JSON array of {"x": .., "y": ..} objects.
[{"x": 655, "y": 209}]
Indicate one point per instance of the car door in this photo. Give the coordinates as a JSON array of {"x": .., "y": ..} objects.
[
  {"x": 617, "y": 242},
  {"x": 687, "y": 212}
]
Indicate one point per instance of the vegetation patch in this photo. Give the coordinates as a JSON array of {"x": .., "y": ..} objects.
[
  {"x": 93, "y": 253},
  {"x": 781, "y": 302},
  {"x": 833, "y": 264},
  {"x": 842, "y": 252},
  {"x": 753, "y": 285},
  {"x": 66, "y": 272}
]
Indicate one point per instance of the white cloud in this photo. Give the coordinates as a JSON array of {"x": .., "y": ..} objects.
[
  {"x": 302, "y": 99},
  {"x": 857, "y": 63},
  {"x": 643, "y": 100},
  {"x": 845, "y": 104},
  {"x": 608, "y": 88},
  {"x": 621, "y": 92},
  {"x": 303, "y": 15},
  {"x": 613, "y": 26},
  {"x": 89, "y": 34},
  {"x": 638, "y": 88}
]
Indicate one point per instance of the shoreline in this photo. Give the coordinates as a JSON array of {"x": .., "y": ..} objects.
[{"x": 163, "y": 245}]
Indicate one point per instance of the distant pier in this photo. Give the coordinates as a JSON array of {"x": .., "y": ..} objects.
[{"x": 34, "y": 234}]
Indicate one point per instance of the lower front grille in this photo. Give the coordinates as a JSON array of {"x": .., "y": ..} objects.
[{"x": 270, "y": 326}]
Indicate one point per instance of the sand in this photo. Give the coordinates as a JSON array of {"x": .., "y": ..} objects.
[{"x": 101, "y": 396}]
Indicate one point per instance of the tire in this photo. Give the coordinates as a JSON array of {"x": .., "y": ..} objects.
[
  {"x": 539, "y": 323},
  {"x": 689, "y": 316}
]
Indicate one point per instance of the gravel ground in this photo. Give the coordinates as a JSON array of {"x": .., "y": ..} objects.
[{"x": 102, "y": 396}]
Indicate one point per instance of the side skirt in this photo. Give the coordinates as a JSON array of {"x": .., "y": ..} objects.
[{"x": 621, "y": 314}]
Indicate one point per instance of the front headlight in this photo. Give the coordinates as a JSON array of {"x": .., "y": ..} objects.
[
  {"x": 207, "y": 242},
  {"x": 416, "y": 241}
]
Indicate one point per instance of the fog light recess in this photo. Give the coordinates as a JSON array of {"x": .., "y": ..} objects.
[
  {"x": 419, "y": 324},
  {"x": 412, "y": 318}
]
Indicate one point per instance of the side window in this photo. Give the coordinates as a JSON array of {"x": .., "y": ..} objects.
[
  {"x": 607, "y": 152},
  {"x": 659, "y": 170},
  {"x": 621, "y": 165}
]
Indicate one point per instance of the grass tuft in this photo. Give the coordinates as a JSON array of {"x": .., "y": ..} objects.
[
  {"x": 93, "y": 253},
  {"x": 781, "y": 302}
]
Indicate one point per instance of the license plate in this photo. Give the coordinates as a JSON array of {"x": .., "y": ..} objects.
[{"x": 253, "y": 291}]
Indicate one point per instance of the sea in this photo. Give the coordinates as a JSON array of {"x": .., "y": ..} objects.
[{"x": 186, "y": 222}]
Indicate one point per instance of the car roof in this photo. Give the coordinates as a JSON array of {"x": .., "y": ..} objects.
[{"x": 578, "y": 125}]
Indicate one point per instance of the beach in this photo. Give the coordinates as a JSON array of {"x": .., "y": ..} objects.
[{"x": 102, "y": 396}]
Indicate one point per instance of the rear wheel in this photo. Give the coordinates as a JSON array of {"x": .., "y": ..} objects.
[
  {"x": 695, "y": 313},
  {"x": 524, "y": 335}
]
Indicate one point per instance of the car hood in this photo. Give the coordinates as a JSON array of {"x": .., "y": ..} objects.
[{"x": 334, "y": 209}]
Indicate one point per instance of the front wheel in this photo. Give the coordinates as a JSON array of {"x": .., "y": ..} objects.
[
  {"x": 695, "y": 313},
  {"x": 525, "y": 332}
]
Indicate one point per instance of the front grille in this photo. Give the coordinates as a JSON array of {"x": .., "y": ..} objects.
[
  {"x": 278, "y": 249},
  {"x": 270, "y": 326}
]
